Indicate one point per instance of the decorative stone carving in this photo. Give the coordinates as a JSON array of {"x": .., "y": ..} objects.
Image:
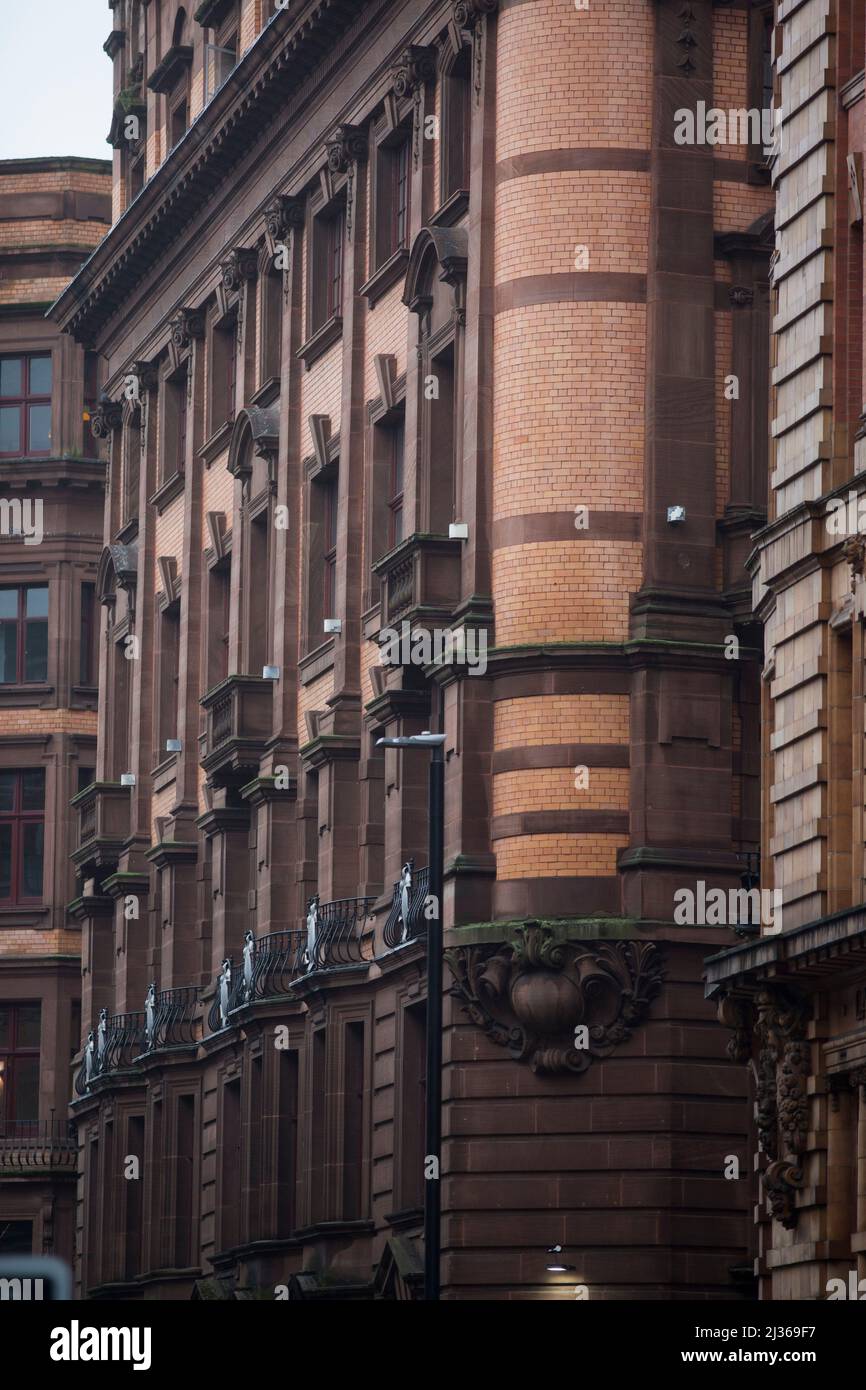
[
  {"x": 239, "y": 265},
  {"x": 468, "y": 13},
  {"x": 283, "y": 215},
  {"x": 346, "y": 145},
  {"x": 415, "y": 66},
  {"x": 686, "y": 40},
  {"x": 186, "y": 325},
  {"x": 532, "y": 994},
  {"x": 738, "y": 1015},
  {"x": 106, "y": 417},
  {"x": 741, "y": 297}
]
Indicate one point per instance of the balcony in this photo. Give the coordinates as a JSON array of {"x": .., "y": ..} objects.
[
  {"x": 239, "y": 718},
  {"x": 420, "y": 581},
  {"x": 37, "y": 1147},
  {"x": 170, "y": 1018},
  {"x": 332, "y": 937},
  {"x": 405, "y": 920},
  {"x": 103, "y": 827},
  {"x": 117, "y": 1042}
]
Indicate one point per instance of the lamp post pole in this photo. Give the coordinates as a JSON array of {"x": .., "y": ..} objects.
[{"x": 433, "y": 1117}]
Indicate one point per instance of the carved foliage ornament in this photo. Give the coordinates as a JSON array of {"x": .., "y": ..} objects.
[
  {"x": 347, "y": 144},
  {"x": 106, "y": 417},
  {"x": 239, "y": 265},
  {"x": 781, "y": 1067},
  {"x": 468, "y": 13},
  {"x": 186, "y": 325},
  {"x": 536, "y": 993}
]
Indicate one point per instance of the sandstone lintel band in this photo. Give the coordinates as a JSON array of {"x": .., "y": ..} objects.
[
  {"x": 573, "y": 286},
  {"x": 563, "y": 822},
  {"x": 602, "y": 159},
  {"x": 550, "y": 755},
  {"x": 530, "y": 528}
]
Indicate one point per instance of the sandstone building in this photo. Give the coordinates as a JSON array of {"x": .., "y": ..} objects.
[
  {"x": 410, "y": 315},
  {"x": 52, "y": 214},
  {"x": 797, "y": 998}
]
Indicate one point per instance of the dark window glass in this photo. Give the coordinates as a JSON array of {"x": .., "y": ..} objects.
[
  {"x": 87, "y": 663},
  {"x": 22, "y": 847},
  {"x": 329, "y": 578},
  {"x": 25, "y": 415},
  {"x": 395, "y": 503},
  {"x": 19, "y": 1068},
  {"x": 336, "y": 228},
  {"x": 24, "y": 634}
]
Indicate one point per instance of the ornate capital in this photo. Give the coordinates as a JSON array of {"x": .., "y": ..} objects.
[
  {"x": 741, "y": 297},
  {"x": 469, "y": 13},
  {"x": 558, "y": 1005},
  {"x": 239, "y": 265},
  {"x": 283, "y": 215},
  {"x": 415, "y": 67},
  {"x": 186, "y": 325},
  {"x": 106, "y": 417},
  {"x": 346, "y": 145}
]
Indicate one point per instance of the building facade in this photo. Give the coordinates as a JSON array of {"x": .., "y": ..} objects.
[
  {"x": 796, "y": 998},
  {"x": 435, "y": 398},
  {"x": 52, "y": 214}
]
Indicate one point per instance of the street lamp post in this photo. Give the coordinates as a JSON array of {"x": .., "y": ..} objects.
[{"x": 433, "y": 1118}]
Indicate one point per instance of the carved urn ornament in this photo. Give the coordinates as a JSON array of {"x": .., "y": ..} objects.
[{"x": 558, "y": 1005}]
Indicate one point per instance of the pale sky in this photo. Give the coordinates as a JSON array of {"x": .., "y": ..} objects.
[{"x": 55, "y": 80}]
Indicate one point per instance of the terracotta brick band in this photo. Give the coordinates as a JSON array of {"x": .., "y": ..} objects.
[
  {"x": 544, "y": 755},
  {"x": 556, "y": 897},
  {"x": 559, "y": 823},
  {"x": 532, "y": 527}
]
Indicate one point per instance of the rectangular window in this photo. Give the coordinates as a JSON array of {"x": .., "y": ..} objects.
[
  {"x": 175, "y": 427},
  {"x": 25, "y": 405},
  {"x": 20, "y": 1027},
  {"x": 336, "y": 235},
  {"x": 22, "y": 830},
  {"x": 184, "y": 1187},
  {"x": 223, "y": 373},
  {"x": 178, "y": 122},
  {"x": 328, "y": 234},
  {"x": 354, "y": 1206},
  {"x": 287, "y": 1141},
  {"x": 91, "y": 386},
  {"x": 230, "y": 1177},
  {"x": 456, "y": 128},
  {"x": 134, "y": 1195},
  {"x": 87, "y": 647},
  {"x": 318, "y": 1113},
  {"x": 329, "y": 557},
  {"x": 169, "y": 657},
  {"x": 395, "y": 498},
  {"x": 24, "y": 634},
  {"x": 219, "y": 608},
  {"x": 413, "y": 1075}
]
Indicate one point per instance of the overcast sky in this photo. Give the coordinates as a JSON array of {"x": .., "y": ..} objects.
[{"x": 55, "y": 80}]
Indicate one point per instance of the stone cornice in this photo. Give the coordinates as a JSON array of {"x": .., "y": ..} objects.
[{"x": 276, "y": 64}]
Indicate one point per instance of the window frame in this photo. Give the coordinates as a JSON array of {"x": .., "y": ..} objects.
[
  {"x": 9, "y": 1054},
  {"x": 21, "y": 620},
  {"x": 18, "y": 818},
  {"x": 24, "y": 401}
]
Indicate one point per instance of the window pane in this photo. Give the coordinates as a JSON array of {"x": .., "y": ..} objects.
[
  {"x": 5, "y": 1025},
  {"x": 25, "y": 1092},
  {"x": 8, "y": 603},
  {"x": 5, "y": 861},
  {"x": 32, "y": 838},
  {"x": 7, "y": 791},
  {"x": 11, "y": 377},
  {"x": 36, "y": 651},
  {"x": 36, "y": 602},
  {"x": 40, "y": 428},
  {"x": 40, "y": 376},
  {"x": 10, "y": 429},
  {"x": 33, "y": 790},
  {"x": 8, "y": 653},
  {"x": 29, "y": 1020}
]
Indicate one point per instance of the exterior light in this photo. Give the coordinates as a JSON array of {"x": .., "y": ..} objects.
[
  {"x": 127, "y": 779},
  {"x": 333, "y": 624},
  {"x": 676, "y": 515},
  {"x": 557, "y": 1266},
  {"x": 270, "y": 673},
  {"x": 458, "y": 531},
  {"x": 425, "y": 740},
  {"x": 173, "y": 745}
]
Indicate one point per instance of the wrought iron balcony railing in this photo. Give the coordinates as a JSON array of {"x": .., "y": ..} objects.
[
  {"x": 405, "y": 920},
  {"x": 333, "y": 936},
  {"x": 170, "y": 1017},
  {"x": 115, "y": 1044},
  {"x": 37, "y": 1146}
]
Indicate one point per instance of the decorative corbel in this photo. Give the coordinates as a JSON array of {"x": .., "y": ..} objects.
[
  {"x": 415, "y": 67},
  {"x": 347, "y": 148},
  {"x": 107, "y": 416},
  {"x": 186, "y": 325}
]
